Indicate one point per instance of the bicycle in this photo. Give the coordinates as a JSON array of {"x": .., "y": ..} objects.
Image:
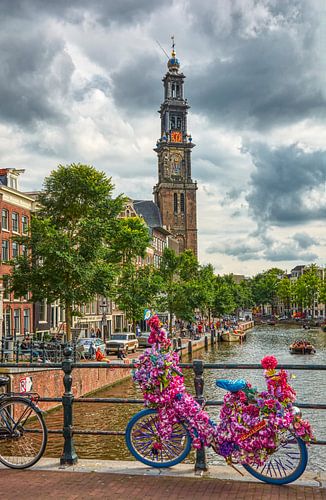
[
  {"x": 23, "y": 433},
  {"x": 163, "y": 436}
]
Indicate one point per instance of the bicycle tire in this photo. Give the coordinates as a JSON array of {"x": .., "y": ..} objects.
[
  {"x": 285, "y": 465},
  {"x": 23, "y": 433},
  {"x": 141, "y": 434}
]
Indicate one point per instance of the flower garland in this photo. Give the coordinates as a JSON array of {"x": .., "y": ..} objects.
[{"x": 252, "y": 424}]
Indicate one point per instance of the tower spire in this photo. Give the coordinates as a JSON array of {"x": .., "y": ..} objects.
[{"x": 173, "y": 63}]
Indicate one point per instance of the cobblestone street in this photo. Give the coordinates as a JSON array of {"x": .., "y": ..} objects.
[{"x": 31, "y": 484}]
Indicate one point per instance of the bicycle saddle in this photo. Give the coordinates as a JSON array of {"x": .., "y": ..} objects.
[{"x": 231, "y": 385}]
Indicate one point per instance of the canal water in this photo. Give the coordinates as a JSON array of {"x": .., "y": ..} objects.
[{"x": 262, "y": 340}]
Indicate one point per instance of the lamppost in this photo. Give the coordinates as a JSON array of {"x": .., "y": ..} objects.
[{"x": 104, "y": 308}]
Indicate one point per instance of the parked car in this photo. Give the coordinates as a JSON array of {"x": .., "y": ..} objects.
[
  {"x": 83, "y": 347},
  {"x": 123, "y": 342},
  {"x": 143, "y": 339}
]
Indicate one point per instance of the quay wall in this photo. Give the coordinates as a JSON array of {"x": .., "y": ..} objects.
[{"x": 48, "y": 382}]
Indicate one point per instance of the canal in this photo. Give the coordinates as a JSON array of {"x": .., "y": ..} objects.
[{"x": 261, "y": 340}]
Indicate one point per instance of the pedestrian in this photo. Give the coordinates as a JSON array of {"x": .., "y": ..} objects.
[
  {"x": 98, "y": 333},
  {"x": 99, "y": 355},
  {"x": 92, "y": 333},
  {"x": 121, "y": 354},
  {"x": 91, "y": 350},
  {"x": 138, "y": 330}
]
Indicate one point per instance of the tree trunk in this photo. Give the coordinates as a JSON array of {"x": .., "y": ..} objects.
[{"x": 68, "y": 310}]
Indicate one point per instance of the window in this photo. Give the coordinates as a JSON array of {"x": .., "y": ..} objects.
[
  {"x": 5, "y": 219},
  {"x": 13, "y": 182},
  {"x": 175, "y": 203},
  {"x": 15, "y": 222},
  {"x": 179, "y": 123},
  {"x": 44, "y": 311},
  {"x": 5, "y": 284},
  {"x": 182, "y": 202},
  {"x": 17, "y": 320},
  {"x": 24, "y": 224},
  {"x": 24, "y": 250},
  {"x": 172, "y": 122},
  {"x": 15, "y": 249},
  {"x": 26, "y": 321},
  {"x": 5, "y": 250}
]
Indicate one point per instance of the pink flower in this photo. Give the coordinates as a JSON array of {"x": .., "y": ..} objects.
[{"x": 269, "y": 363}]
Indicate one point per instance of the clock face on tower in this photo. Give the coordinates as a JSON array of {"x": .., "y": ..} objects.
[
  {"x": 176, "y": 136},
  {"x": 175, "y": 163}
]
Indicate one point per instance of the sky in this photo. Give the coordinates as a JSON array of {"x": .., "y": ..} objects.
[{"x": 81, "y": 81}]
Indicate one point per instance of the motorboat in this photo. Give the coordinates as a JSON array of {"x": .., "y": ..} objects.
[
  {"x": 233, "y": 335},
  {"x": 302, "y": 347}
]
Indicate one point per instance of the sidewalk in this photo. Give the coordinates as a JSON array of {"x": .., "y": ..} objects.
[{"x": 131, "y": 481}]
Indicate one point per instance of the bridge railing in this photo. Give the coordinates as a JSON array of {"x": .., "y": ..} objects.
[{"x": 69, "y": 454}]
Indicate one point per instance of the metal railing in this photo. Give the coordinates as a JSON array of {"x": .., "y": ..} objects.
[{"x": 69, "y": 455}]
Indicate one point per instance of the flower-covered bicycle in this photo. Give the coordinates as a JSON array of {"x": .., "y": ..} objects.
[{"x": 262, "y": 431}]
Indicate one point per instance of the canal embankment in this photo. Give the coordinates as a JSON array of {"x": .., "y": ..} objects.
[{"x": 48, "y": 382}]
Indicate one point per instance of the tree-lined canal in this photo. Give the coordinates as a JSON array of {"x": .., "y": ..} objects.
[{"x": 262, "y": 340}]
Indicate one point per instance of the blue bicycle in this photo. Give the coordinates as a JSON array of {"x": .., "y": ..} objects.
[{"x": 284, "y": 465}]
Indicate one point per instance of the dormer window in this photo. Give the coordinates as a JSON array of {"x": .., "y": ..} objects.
[{"x": 12, "y": 181}]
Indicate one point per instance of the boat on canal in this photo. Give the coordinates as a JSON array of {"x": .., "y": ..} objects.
[
  {"x": 233, "y": 335},
  {"x": 302, "y": 347}
]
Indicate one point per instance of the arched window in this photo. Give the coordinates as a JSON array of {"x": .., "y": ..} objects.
[
  {"x": 175, "y": 203},
  {"x": 182, "y": 202}
]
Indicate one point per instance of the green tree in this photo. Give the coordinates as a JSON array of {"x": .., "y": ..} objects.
[
  {"x": 264, "y": 287},
  {"x": 69, "y": 257},
  {"x": 224, "y": 299},
  {"x": 169, "y": 275},
  {"x": 136, "y": 289},
  {"x": 284, "y": 292}
]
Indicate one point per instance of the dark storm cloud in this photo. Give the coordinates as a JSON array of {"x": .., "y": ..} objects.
[
  {"x": 35, "y": 72},
  {"x": 137, "y": 86},
  {"x": 304, "y": 240},
  {"x": 104, "y": 11},
  {"x": 265, "y": 69},
  {"x": 285, "y": 184},
  {"x": 274, "y": 252}
]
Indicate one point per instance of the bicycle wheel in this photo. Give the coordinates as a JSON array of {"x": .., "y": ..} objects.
[
  {"x": 142, "y": 436},
  {"x": 23, "y": 434},
  {"x": 285, "y": 465}
]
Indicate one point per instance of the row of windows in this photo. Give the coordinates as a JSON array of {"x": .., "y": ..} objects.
[
  {"x": 178, "y": 203},
  {"x": 159, "y": 244},
  {"x": 15, "y": 226},
  {"x": 16, "y": 250},
  {"x": 16, "y": 325}
]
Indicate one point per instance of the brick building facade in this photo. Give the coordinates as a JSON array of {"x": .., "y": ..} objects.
[{"x": 16, "y": 314}]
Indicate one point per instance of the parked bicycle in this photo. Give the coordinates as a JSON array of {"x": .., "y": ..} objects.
[
  {"x": 263, "y": 432},
  {"x": 23, "y": 433}
]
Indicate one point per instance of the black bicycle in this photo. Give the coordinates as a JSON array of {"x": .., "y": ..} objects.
[{"x": 23, "y": 433}]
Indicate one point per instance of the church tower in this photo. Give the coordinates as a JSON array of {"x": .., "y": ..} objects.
[{"x": 175, "y": 192}]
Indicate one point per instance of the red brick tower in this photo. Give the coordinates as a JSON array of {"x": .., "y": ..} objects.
[{"x": 175, "y": 192}]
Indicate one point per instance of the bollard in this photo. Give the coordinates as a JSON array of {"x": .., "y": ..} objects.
[
  {"x": 206, "y": 342},
  {"x": 212, "y": 337},
  {"x": 198, "y": 367},
  {"x": 17, "y": 351},
  {"x": 69, "y": 455},
  {"x": 174, "y": 344},
  {"x": 190, "y": 347}
]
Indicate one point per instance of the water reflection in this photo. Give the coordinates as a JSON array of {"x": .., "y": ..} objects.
[{"x": 260, "y": 341}]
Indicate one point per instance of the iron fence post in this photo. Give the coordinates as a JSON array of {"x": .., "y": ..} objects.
[
  {"x": 69, "y": 455},
  {"x": 198, "y": 367}
]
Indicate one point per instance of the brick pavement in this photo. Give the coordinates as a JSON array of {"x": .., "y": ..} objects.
[{"x": 46, "y": 485}]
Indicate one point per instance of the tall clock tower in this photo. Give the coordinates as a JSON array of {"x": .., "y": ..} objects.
[{"x": 175, "y": 192}]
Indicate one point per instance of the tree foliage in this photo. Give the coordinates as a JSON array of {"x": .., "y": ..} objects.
[{"x": 69, "y": 257}]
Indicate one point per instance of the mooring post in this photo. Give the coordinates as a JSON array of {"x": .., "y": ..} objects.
[
  {"x": 69, "y": 455},
  {"x": 198, "y": 367}
]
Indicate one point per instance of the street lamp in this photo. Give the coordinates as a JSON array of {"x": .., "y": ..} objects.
[{"x": 104, "y": 308}]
